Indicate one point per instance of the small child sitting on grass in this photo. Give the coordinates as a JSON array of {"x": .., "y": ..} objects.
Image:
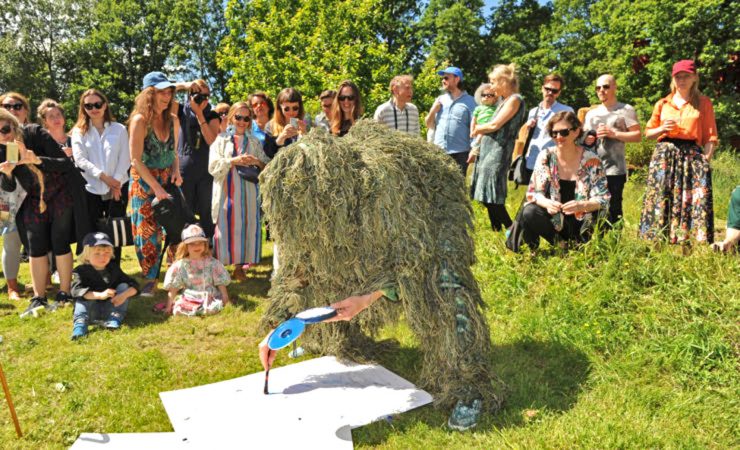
[
  {"x": 99, "y": 287},
  {"x": 196, "y": 273}
]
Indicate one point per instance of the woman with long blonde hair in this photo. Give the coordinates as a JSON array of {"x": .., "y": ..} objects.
[
  {"x": 678, "y": 201},
  {"x": 153, "y": 131},
  {"x": 53, "y": 214}
]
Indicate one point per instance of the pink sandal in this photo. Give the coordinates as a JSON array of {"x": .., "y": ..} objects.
[{"x": 160, "y": 307}]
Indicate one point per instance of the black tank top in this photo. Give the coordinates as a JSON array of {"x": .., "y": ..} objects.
[{"x": 567, "y": 190}]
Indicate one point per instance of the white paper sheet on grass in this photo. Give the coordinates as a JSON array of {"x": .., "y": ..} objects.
[
  {"x": 315, "y": 401},
  {"x": 129, "y": 441}
]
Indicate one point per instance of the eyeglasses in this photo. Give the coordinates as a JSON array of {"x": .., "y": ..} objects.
[
  {"x": 15, "y": 106},
  {"x": 488, "y": 95},
  {"x": 291, "y": 108},
  {"x": 551, "y": 90},
  {"x": 260, "y": 103},
  {"x": 563, "y": 133},
  {"x": 5, "y": 130},
  {"x": 96, "y": 105},
  {"x": 238, "y": 118},
  {"x": 344, "y": 98},
  {"x": 603, "y": 87}
]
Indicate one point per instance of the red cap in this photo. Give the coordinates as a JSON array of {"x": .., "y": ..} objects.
[{"x": 685, "y": 65}]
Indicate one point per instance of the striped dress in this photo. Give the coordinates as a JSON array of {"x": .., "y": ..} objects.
[{"x": 235, "y": 209}]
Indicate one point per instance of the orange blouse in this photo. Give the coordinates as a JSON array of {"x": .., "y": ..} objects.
[{"x": 692, "y": 124}]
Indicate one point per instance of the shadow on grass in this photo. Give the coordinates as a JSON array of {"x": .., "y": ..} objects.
[{"x": 539, "y": 377}]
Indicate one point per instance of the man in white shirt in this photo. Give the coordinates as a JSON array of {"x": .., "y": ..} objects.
[
  {"x": 540, "y": 115},
  {"x": 615, "y": 124},
  {"x": 398, "y": 112}
]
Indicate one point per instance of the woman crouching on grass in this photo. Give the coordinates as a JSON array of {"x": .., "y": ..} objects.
[
  {"x": 195, "y": 271},
  {"x": 100, "y": 289}
]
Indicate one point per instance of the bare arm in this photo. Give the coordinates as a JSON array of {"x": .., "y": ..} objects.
[
  {"x": 507, "y": 112},
  {"x": 431, "y": 118}
]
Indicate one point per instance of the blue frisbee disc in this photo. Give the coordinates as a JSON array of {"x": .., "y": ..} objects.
[
  {"x": 285, "y": 333},
  {"x": 316, "y": 315}
]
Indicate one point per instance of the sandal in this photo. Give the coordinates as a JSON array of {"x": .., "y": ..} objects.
[
  {"x": 160, "y": 308},
  {"x": 13, "y": 295}
]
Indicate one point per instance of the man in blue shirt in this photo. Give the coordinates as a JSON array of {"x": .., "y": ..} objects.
[
  {"x": 539, "y": 116},
  {"x": 451, "y": 116}
]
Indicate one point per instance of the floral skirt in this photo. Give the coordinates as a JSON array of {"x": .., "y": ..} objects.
[{"x": 678, "y": 201}]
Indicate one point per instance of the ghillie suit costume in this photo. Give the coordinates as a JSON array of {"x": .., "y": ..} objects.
[{"x": 380, "y": 210}]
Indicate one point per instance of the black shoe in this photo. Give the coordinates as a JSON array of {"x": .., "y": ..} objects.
[
  {"x": 37, "y": 306},
  {"x": 63, "y": 299}
]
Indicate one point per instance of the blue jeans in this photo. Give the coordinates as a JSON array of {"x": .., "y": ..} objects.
[{"x": 87, "y": 310}]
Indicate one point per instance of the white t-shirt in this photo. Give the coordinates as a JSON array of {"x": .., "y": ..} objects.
[{"x": 619, "y": 117}]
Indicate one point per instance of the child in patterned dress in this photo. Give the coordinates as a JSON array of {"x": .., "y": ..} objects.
[{"x": 195, "y": 269}]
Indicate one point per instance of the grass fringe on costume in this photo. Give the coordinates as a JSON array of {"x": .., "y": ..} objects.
[{"x": 373, "y": 209}]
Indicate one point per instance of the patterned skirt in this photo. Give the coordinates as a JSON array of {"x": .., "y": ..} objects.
[{"x": 678, "y": 200}]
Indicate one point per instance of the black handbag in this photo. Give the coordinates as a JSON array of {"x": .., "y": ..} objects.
[
  {"x": 518, "y": 172},
  {"x": 173, "y": 213},
  {"x": 118, "y": 229},
  {"x": 249, "y": 173}
]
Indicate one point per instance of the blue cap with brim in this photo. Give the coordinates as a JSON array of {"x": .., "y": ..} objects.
[
  {"x": 157, "y": 80},
  {"x": 451, "y": 71}
]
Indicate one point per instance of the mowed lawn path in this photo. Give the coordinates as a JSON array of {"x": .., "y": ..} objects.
[{"x": 620, "y": 344}]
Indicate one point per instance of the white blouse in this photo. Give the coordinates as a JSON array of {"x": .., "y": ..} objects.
[{"x": 97, "y": 154}]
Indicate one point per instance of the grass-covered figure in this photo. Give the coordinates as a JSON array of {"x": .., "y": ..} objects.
[{"x": 381, "y": 218}]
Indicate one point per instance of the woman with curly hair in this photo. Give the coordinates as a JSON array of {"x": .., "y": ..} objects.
[{"x": 153, "y": 128}]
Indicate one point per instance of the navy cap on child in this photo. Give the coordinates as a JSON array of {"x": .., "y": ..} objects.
[{"x": 95, "y": 239}]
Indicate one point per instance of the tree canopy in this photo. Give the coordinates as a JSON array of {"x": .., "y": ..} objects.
[{"x": 58, "y": 48}]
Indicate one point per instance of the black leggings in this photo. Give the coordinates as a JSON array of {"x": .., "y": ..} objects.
[
  {"x": 462, "y": 161},
  {"x": 498, "y": 216},
  {"x": 198, "y": 195},
  {"x": 54, "y": 235},
  {"x": 536, "y": 223},
  {"x": 615, "y": 184}
]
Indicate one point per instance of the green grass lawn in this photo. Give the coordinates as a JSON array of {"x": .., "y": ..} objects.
[{"x": 621, "y": 344}]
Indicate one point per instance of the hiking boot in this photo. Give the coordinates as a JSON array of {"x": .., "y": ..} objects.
[
  {"x": 36, "y": 307},
  {"x": 113, "y": 323},
  {"x": 79, "y": 331},
  {"x": 465, "y": 415}
]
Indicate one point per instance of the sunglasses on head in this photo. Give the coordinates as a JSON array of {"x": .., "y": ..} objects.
[
  {"x": 603, "y": 87},
  {"x": 563, "y": 133},
  {"x": 91, "y": 106},
  {"x": 291, "y": 108},
  {"x": 551, "y": 90},
  {"x": 238, "y": 118},
  {"x": 15, "y": 106},
  {"x": 343, "y": 98},
  {"x": 5, "y": 130}
]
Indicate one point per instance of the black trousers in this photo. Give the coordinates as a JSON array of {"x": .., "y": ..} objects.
[
  {"x": 100, "y": 208},
  {"x": 615, "y": 184},
  {"x": 198, "y": 193},
  {"x": 462, "y": 161},
  {"x": 498, "y": 216},
  {"x": 536, "y": 223}
]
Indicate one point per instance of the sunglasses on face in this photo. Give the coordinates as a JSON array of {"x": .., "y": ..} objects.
[
  {"x": 15, "y": 106},
  {"x": 551, "y": 90},
  {"x": 344, "y": 98},
  {"x": 562, "y": 133},
  {"x": 291, "y": 108},
  {"x": 326, "y": 106},
  {"x": 238, "y": 118},
  {"x": 603, "y": 87},
  {"x": 5, "y": 130},
  {"x": 91, "y": 106},
  {"x": 256, "y": 104},
  {"x": 488, "y": 95},
  {"x": 223, "y": 114}
]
